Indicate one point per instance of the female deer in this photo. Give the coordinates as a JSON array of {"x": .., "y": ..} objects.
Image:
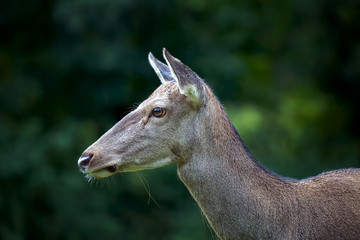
[{"x": 183, "y": 122}]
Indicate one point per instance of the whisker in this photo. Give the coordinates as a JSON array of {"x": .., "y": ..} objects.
[
  {"x": 147, "y": 189},
  {"x": 132, "y": 108},
  {"x": 90, "y": 179}
]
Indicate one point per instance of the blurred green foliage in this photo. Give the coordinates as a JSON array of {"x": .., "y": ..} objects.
[{"x": 287, "y": 72}]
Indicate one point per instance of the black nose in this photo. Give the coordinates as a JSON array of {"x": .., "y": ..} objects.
[{"x": 84, "y": 161}]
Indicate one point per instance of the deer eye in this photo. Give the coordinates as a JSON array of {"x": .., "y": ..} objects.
[{"x": 158, "y": 112}]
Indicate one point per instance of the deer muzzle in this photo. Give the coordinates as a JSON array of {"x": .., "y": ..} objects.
[{"x": 86, "y": 165}]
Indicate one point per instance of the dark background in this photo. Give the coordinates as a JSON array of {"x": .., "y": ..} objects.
[{"x": 287, "y": 72}]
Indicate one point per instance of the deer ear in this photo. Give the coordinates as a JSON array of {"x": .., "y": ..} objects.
[
  {"x": 161, "y": 69},
  {"x": 190, "y": 84}
]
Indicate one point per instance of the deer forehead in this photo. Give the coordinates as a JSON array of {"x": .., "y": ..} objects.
[{"x": 166, "y": 93}]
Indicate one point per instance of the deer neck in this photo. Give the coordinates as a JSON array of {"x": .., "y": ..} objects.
[{"x": 233, "y": 190}]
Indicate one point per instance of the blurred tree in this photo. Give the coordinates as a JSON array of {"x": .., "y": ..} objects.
[{"x": 288, "y": 73}]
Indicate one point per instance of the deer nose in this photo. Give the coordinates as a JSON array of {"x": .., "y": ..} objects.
[{"x": 84, "y": 161}]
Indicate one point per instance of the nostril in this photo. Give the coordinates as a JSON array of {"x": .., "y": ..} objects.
[{"x": 84, "y": 161}]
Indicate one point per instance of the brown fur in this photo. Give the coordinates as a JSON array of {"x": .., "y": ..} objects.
[{"x": 239, "y": 197}]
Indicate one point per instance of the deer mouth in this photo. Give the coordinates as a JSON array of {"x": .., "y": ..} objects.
[{"x": 103, "y": 172}]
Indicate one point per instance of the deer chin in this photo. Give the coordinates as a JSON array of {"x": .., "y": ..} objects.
[{"x": 135, "y": 167}]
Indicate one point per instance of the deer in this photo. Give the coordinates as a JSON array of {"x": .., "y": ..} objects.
[{"x": 182, "y": 122}]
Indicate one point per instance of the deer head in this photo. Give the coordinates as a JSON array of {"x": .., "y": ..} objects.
[{"x": 160, "y": 131}]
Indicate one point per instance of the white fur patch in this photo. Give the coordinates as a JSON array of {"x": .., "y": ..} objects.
[
  {"x": 151, "y": 165},
  {"x": 191, "y": 92},
  {"x": 156, "y": 69}
]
